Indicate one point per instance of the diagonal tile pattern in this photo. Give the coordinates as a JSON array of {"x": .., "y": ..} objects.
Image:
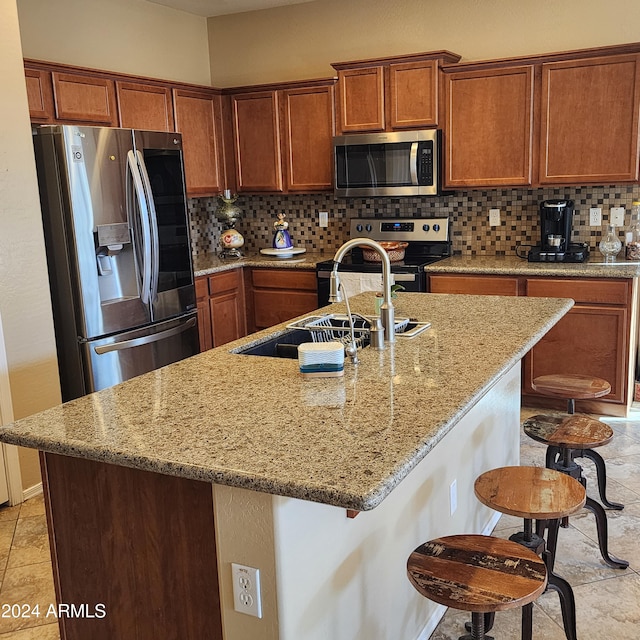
[{"x": 606, "y": 599}]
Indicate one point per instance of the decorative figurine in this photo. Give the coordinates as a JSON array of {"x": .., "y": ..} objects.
[
  {"x": 281, "y": 238},
  {"x": 229, "y": 213}
]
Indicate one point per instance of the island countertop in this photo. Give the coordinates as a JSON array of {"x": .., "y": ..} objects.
[{"x": 256, "y": 423}]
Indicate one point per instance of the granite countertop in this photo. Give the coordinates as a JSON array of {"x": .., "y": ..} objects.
[
  {"x": 206, "y": 264},
  {"x": 255, "y": 422},
  {"x": 512, "y": 265}
]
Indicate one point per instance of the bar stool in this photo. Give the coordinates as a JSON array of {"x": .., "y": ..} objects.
[
  {"x": 543, "y": 495},
  {"x": 575, "y": 436},
  {"x": 571, "y": 387},
  {"x": 480, "y": 574}
]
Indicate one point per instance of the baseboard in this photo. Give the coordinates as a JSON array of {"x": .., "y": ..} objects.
[
  {"x": 491, "y": 525},
  {"x": 433, "y": 622},
  {"x": 32, "y": 492}
]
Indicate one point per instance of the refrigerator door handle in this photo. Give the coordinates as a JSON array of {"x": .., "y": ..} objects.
[
  {"x": 153, "y": 221},
  {"x": 154, "y": 337},
  {"x": 146, "y": 230}
]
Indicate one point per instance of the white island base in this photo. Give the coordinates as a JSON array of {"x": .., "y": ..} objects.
[{"x": 326, "y": 576}]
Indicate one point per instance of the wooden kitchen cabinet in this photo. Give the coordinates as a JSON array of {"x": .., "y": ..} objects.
[
  {"x": 144, "y": 106},
  {"x": 221, "y": 308},
  {"x": 589, "y": 123},
  {"x": 256, "y": 130},
  {"x": 389, "y": 93},
  {"x": 39, "y": 95},
  {"x": 85, "y": 99},
  {"x": 198, "y": 118},
  {"x": 596, "y": 338},
  {"x": 489, "y": 126},
  {"x": 277, "y": 295}
]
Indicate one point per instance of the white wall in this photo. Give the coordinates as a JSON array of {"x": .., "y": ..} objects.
[
  {"x": 24, "y": 289},
  {"x": 300, "y": 41},
  {"x": 129, "y": 36}
]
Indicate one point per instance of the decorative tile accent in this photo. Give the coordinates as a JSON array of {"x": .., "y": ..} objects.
[{"x": 469, "y": 212}]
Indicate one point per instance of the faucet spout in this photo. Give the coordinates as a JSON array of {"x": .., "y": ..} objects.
[{"x": 387, "y": 312}]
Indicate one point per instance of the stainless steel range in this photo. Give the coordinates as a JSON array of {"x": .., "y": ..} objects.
[{"x": 428, "y": 240}]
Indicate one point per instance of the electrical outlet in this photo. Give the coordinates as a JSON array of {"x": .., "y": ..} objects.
[
  {"x": 595, "y": 217},
  {"x": 616, "y": 216},
  {"x": 323, "y": 219},
  {"x": 246, "y": 590},
  {"x": 453, "y": 497},
  {"x": 494, "y": 217}
]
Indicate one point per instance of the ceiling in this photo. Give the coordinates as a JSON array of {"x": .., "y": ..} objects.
[{"x": 209, "y": 8}]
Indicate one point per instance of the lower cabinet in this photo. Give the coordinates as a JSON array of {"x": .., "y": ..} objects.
[
  {"x": 277, "y": 295},
  {"x": 596, "y": 338},
  {"x": 221, "y": 308}
]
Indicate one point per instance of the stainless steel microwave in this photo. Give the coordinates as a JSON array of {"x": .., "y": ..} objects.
[{"x": 405, "y": 163}]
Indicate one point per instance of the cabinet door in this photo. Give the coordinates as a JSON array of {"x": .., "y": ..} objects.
[
  {"x": 361, "y": 99},
  {"x": 308, "y": 128},
  {"x": 589, "y": 340},
  {"x": 204, "y": 313},
  {"x": 197, "y": 118},
  {"x": 589, "y": 125},
  {"x": 256, "y": 128},
  {"x": 488, "y": 130},
  {"x": 226, "y": 305},
  {"x": 39, "y": 95},
  {"x": 86, "y": 99},
  {"x": 413, "y": 94},
  {"x": 142, "y": 106},
  {"x": 478, "y": 285}
]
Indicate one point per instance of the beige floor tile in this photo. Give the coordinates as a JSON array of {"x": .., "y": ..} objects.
[
  {"x": 44, "y": 632},
  {"x": 625, "y": 471},
  {"x": 30, "y": 585},
  {"x": 35, "y": 507},
  {"x": 9, "y": 513},
  {"x": 31, "y": 542},
  {"x": 6, "y": 538}
]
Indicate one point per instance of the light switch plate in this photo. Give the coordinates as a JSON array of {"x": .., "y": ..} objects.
[
  {"x": 616, "y": 216},
  {"x": 323, "y": 219}
]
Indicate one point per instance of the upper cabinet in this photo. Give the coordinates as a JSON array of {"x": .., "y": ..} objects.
[
  {"x": 589, "y": 123},
  {"x": 39, "y": 95},
  {"x": 144, "y": 106},
  {"x": 389, "y": 93},
  {"x": 198, "y": 119},
  {"x": 283, "y": 136},
  {"x": 84, "y": 99},
  {"x": 489, "y": 126}
]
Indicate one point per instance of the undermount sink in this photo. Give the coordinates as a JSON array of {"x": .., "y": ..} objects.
[{"x": 324, "y": 328}]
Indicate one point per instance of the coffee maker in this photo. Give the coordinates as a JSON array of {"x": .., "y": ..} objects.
[{"x": 556, "y": 220}]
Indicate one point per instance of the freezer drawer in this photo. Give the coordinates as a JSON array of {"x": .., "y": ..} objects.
[{"x": 112, "y": 360}]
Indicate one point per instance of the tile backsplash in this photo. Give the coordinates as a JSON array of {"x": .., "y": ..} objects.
[{"x": 469, "y": 212}]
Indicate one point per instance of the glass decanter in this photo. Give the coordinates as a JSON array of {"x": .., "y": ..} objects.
[{"x": 610, "y": 244}]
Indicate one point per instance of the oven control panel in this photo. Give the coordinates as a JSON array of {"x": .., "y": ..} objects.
[{"x": 401, "y": 229}]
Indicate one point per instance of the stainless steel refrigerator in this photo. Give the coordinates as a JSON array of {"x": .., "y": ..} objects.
[{"x": 118, "y": 251}]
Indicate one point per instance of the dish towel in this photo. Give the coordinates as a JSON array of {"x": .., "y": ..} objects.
[{"x": 355, "y": 283}]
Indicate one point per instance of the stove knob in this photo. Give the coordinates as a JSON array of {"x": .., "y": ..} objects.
[
  {"x": 359, "y": 228},
  {"x": 436, "y": 227},
  {"x": 369, "y": 228},
  {"x": 425, "y": 227}
]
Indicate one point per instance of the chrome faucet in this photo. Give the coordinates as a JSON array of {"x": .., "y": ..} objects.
[{"x": 387, "y": 314}]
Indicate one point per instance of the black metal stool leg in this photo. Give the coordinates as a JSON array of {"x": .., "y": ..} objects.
[
  {"x": 489, "y": 619},
  {"x": 567, "y": 600},
  {"x": 527, "y": 621},
  {"x": 552, "y": 456},
  {"x": 603, "y": 534},
  {"x": 601, "y": 473},
  {"x": 478, "y": 626}
]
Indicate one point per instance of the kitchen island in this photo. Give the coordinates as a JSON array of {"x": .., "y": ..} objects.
[{"x": 156, "y": 486}]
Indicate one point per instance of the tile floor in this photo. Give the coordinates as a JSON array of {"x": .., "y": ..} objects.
[{"x": 607, "y": 600}]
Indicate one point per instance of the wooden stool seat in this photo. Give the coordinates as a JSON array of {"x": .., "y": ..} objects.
[
  {"x": 535, "y": 493},
  {"x": 477, "y": 573},
  {"x": 575, "y": 431},
  {"x": 571, "y": 386}
]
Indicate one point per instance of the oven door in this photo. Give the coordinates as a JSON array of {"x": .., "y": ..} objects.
[{"x": 414, "y": 280}]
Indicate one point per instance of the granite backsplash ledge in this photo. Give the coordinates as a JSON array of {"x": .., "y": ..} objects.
[{"x": 469, "y": 212}]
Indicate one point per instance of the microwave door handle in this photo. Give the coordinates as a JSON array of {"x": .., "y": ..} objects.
[
  {"x": 153, "y": 223},
  {"x": 413, "y": 163},
  {"x": 144, "y": 225},
  {"x": 372, "y": 171}
]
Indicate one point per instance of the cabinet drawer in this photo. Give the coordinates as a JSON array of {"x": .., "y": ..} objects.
[
  {"x": 582, "y": 290},
  {"x": 284, "y": 279},
  {"x": 478, "y": 285},
  {"x": 225, "y": 281}
]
